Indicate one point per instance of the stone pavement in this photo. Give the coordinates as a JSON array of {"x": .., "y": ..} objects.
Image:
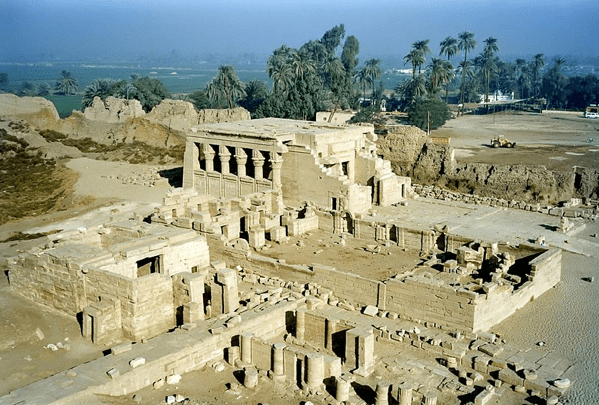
[{"x": 492, "y": 224}]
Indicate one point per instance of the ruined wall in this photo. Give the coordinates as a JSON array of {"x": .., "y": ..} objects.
[
  {"x": 402, "y": 147},
  {"x": 303, "y": 180},
  {"x": 151, "y": 307},
  {"x": 412, "y": 154},
  {"x": 116, "y": 120},
  {"x": 37, "y": 111},
  {"x": 502, "y": 302},
  {"x": 196, "y": 353},
  {"x": 429, "y": 300},
  {"x": 417, "y": 298},
  {"x": 48, "y": 281}
]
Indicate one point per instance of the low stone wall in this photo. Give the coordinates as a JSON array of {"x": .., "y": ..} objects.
[
  {"x": 570, "y": 210},
  {"x": 417, "y": 298}
]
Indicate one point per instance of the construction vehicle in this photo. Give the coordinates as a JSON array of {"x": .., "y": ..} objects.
[{"x": 500, "y": 141}]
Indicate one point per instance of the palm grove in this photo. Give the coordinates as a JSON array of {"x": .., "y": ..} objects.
[{"x": 324, "y": 74}]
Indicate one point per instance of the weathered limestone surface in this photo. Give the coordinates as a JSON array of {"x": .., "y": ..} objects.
[
  {"x": 113, "y": 110},
  {"x": 37, "y": 111}
]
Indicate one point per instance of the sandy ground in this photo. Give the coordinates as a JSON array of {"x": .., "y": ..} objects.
[
  {"x": 564, "y": 317},
  {"x": 556, "y": 141}
]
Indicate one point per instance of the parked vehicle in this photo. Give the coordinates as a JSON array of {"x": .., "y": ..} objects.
[
  {"x": 500, "y": 141},
  {"x": 592, "y": 111}
]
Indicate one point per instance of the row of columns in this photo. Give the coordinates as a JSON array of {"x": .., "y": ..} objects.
[
  {"x": 315, "y": 373},
  {"x": 241, "y": 157}
]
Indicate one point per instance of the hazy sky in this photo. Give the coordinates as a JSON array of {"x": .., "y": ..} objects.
[{"x": 67, "y": 28}]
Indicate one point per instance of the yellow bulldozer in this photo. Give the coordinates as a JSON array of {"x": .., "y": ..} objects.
[{"x": 499, "y": 141}]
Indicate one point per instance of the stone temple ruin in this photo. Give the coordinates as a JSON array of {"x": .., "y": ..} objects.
[{"x": 201, "y": 269}]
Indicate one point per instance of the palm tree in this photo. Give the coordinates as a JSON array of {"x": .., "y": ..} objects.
[
  {"x": 466, "y": 71},
  {"x": 98, "y": 88},
  {"x": 491, "y": 46},
  {"x": 486, "y": 63},
  {"x": 466, "y": 43},
  {"x": 449, "y": 48},
  {"x": 225, "y": 83},
  {"x": 525, "y": 81},
  {"x": 554, "y": 82},
  {"x": 361, "y": 79},
  {"x": 537, "y": 64},
  {"x": 333, "y": 70},
  {"x": 126, "y": 91},
  {"x": 441, "y": 72},
  {"x": 372, "y": 71},
  {"x": 422, "y": 48},
  {"x": 66, "y": 83},
  {"x": 415, "y": 58},
  {"x": 301, "y": 65}
]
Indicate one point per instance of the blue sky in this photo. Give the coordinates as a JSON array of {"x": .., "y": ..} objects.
[{"x": 68, "y": 28}]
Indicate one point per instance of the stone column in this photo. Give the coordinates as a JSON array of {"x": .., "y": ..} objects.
[
  {"x": 429, "y": 398},
  {"x": 276, "y": 163},
  {"x": 233, "y": 354},
  {"x": 246, "y": 347},
  {"x": 250, "y": 377},
  {"x": 314, "y": 370},
  {"x": 258, "y": 160},
  {"x": 405, "y": 394},
  {"x": 224, "y": 156},
  {"x": 208, "y": 157},
  {"x": 278, "y": 368},
  {"x": 300, "y": 323},
  {"x": 224, "y": 292},
  {"x": 241, "y": 158},
  {"x": 382, "y": 393},
  {"x": 359, "y": 351},
  {"x": 342, "y": 389}
]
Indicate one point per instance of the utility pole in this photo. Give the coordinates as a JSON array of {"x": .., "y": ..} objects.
[{"x": 428, "y": 123}]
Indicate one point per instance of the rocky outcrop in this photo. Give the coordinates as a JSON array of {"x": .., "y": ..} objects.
[
  {"x": 113, "y": 110},
  {"x": 37, "y": 111}
]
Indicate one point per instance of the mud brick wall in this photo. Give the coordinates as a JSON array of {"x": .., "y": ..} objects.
[{"x": 500, "y": 303}]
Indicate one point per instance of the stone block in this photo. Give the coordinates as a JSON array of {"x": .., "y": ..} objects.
[
  {"x": 136, "y": 362},
  {"x": 509, "y": 376},
  {"x": 370, "y": 310},
  {"x": 113, "y": 373}
]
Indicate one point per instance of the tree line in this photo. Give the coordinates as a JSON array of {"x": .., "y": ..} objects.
[
  {"x": 324, "y": 74},
  {"x": 486, "y": 73}
]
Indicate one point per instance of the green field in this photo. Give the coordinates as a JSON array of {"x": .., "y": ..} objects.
[{"x": 65, "y": 104}]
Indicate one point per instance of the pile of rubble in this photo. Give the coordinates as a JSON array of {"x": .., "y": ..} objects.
[{"x": 149, "y": 177}]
